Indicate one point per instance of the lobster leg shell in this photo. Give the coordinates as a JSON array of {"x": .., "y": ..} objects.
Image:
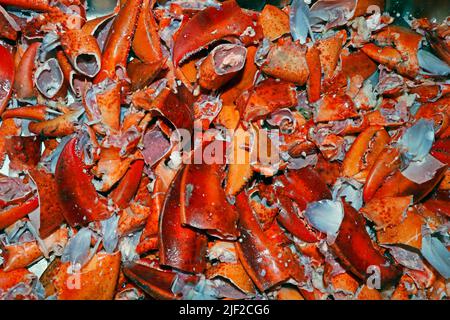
[{"x": 83, "y": 52}]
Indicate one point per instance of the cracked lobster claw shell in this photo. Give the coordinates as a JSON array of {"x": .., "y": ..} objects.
[
  {"x": 6, "y": 76},
  {"x": 364, "y": 151},
  {"x": 356, "y": 251},
  {"x": 266, "y": 97},
  {"x": 203, "y": 201},
  {"x": 23, "y": 152},
  {"x": 82, "y": 51},
  {"x": 155, "y": 281},
  {"x": 128, "y": 185},
  {"x": 212, "y": 24},
  {"x": 175, "y": 107},
  {"x": 82, "y": 204},
  {"x": 95, "y": 281},
  {"x": 386, "y": 164},
  {"x": 262, "y": 259},
  {"x": 11, "y": 214},
  {"x": 287, "y": 61},
  {"x": 50, "y": 206},
  {"x": 400, "y": 51},
  {"x": 119, "y": 41},
  {"x": 300, "y": 187},
  {"x": 303, "y": 186},
  {"x": 399, "y": 185},
  {"x": 24, "y": 83},
  {"x": 146, "y": 42},
  {"x": 180, "y": 247}
]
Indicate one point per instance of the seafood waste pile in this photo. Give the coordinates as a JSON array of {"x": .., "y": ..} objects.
[{"x": 199, "y": 149}]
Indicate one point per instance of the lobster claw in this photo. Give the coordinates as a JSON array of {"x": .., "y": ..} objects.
[
  {"x": 263, "y": 261},
  {"x": 287, "y": 61},
  {"x": 12, "y": 213},
  {"x": 95, "y": 281},
  {"x": 155, "y": 281},
  {"x": 179, "y": 247},
  {"x": 24, "y": 83},
  {"x": 300, "y": 187},
  {"x": 76, "y": 192},
  {"x": 360, "y": 253},
  {"x": 24, "y": 152},
  {"x": 118, "y": 43},
  {"x": 60, "y": 126},
  {"x": 212, "y": 24},
  {"x": 203, "y": 201},
  {"x": 146, "y": 43},
  {"x": 6, "y": 76},
  {"x": 128, "y": 185},
  {"x": 50, "y": 206},
  {"x": 386, "y": 164},
  {"x": 364, "y": 151},
  {"x": 399, "y": 52}
]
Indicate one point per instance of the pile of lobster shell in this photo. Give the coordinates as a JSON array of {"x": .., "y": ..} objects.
[{"x": 102, "y": 195}]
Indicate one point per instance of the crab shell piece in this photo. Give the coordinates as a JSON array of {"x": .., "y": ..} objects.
[
  {"x": 6, "y": 76},
  {"x": 180, "y": 247},
  {"x": 80, "y": 200},
  {"x": 274, "y": 22},
  {"x": 357, "y": 253},
  {"x": 212, "y": 24}
]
